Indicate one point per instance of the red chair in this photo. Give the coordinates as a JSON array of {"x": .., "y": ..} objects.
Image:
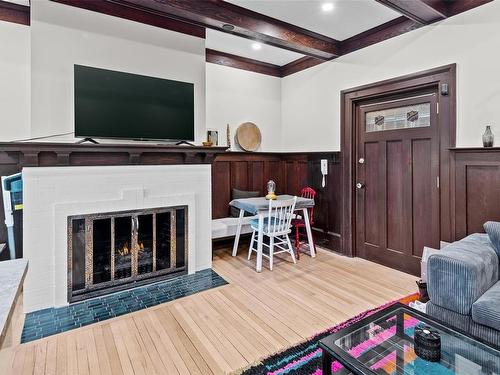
[{"x": 299, "y": 223}]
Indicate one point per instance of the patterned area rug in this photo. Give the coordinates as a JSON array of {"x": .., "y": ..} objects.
[{"x": 305, "y": 358}]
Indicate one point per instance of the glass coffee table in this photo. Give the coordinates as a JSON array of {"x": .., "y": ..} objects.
[{"x": 382, "y": 343}]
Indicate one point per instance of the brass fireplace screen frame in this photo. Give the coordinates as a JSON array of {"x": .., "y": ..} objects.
[{"x": 93, "y": 290}]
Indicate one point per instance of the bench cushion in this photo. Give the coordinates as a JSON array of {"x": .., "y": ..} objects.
[
  {"x": 486, "y": 310},
  {"x": 239, "y": 194},
  {"x": 226, "y": 226}
]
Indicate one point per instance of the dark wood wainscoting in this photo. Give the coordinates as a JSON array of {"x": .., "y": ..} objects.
[
  {"x": 476, "y": 193},
  {"x": 291, "y": 172},
  {"x": 327, "y": 214}
]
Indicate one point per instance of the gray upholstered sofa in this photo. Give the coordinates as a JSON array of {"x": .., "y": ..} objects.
[{"x": 464, "y": 287}]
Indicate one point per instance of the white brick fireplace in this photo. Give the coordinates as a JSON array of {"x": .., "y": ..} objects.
[{"x": 52, "y": 194}]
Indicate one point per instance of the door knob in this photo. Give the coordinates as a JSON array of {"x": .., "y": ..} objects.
[
  {"x": 361, "y": 161},
  {"x": 359, "y": 185}
]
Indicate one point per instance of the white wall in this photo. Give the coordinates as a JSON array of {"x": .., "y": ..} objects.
[
  {"x": 14, "y": 81},
  {"x": 63, "y": 36},
  {"x": 309, "y": 117},
  {"x": 311, "y": 98},
  {"x": 235, "y": 96}
]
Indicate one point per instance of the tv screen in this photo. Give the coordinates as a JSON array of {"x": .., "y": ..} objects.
[{"x": 110, "y": 104}]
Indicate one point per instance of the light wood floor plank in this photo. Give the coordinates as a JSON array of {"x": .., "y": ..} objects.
[
  {"x": 92, "y": 356},
  {"x": 161, "y": 367},
  {"x": 222, "y": 329},
  {"x": 51, "y": 358},
  {"x": 102, "y": 353},
  {"x": 111, "y": 349},
  {"x": 62, "y": 358},
  {"x": 121, "y": 347},
  {"x": 262, "y": 332},
  {"x": 6, "y": 358},
  {"x": 183, "y": 345},
  {"x": 167, "y": 352},
  {"x": 29, "y": 360},
  {"x": 202, "y": 343},
  {"x": 83, "y": 360}
]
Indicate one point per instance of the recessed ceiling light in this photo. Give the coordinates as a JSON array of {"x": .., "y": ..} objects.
[
  {"x": 327, "y": 7},
  {"x": 256, "y": 46},
  {"x": 228, "y": 27}
]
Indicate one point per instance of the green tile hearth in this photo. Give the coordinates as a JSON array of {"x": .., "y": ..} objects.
[{"x": 47, "y": 322}]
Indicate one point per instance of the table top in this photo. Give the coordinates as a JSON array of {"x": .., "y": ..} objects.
[
  {"x": 254, "y": 205},
  {"x": 383, "y": 344}
]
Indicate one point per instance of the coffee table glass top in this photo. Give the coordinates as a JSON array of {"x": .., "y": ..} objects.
[{"x": 383, "y": 344}]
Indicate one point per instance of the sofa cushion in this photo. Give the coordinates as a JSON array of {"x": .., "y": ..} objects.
[
  {"x": 486, "y": 310},
  {"x": 453, "y": 318},
  {"x": 461, "y": 272},
  {"x": 493, "y": 230},
  {"x": 239, "y": 194}
]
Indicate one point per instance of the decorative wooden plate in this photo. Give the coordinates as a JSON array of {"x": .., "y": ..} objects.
[{"x": 248, "y": 136}]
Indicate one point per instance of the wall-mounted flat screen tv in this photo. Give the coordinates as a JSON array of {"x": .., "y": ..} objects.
[{"x": 110, "y": 104}]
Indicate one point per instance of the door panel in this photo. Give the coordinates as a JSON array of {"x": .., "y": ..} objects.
[
  {"x": 372, "y": 221},
  {"x": 397, "y": 198},
  {"x": 395, "y": 195},
  {"x": 422, "y": 192}
]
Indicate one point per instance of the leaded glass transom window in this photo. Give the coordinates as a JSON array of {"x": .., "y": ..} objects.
[{"x": 407, "y": 117}]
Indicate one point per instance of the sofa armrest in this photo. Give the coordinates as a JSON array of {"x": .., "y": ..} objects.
[{"x": 460, "y": 274}]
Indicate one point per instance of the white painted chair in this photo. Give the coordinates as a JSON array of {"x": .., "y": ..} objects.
[{"x": 277, "y": 226}]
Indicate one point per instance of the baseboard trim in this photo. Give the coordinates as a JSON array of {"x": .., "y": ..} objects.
[{"x": 327, "y": 240}]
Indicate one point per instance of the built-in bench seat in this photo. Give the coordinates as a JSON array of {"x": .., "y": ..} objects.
[{"x": 226, "y": 226}]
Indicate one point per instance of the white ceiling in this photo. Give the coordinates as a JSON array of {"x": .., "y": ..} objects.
[
  {"x": 348, "y": 17},
  {"x": 235, "y": 45}
]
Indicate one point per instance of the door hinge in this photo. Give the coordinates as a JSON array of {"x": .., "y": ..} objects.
[
  {"x": 437, "y": 182},
  {"x": 437, "y": 108}
]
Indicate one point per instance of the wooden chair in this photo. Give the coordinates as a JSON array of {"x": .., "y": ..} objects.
[
  {"x": 277, "y": 226},
  {"x": 299, "y": 223}
]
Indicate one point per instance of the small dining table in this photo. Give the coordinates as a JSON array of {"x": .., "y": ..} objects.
[{"x": 260, "y": 206}]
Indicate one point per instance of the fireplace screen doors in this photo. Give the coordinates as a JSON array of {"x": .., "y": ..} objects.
[{"x": 108, "y": 252}]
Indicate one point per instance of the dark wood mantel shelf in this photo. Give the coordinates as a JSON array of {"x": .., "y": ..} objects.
[
  {"x": 475, "y": 149},
  {"x": 44, "y": 154}
]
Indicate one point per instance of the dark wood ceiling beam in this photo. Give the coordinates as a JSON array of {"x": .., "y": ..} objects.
[
  {"x": 429, "y": 11},
  {"x": 238, "y": 62},
  {"x": 441, "y": 6},
  {"x": 117, "y": 10},
  {"x": 256, "y": 66},
  {"x": 299, "y": 64},
  {"x": 378, "y": 34},
  {"x": 248, "y": 24},
  {"x": 422, "y": 11},
  {"x": 460, "y": 6},
  {"x": 16, "y": 13}
]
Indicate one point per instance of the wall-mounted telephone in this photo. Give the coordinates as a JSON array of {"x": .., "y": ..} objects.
[{"x": 324, "y": 171}]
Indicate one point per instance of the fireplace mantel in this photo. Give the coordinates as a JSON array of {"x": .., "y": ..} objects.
[
  {"x": 45, "y": 154},
  {"x": 14, "y": 156}
]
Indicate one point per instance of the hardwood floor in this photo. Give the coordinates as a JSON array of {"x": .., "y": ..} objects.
[{"x": 220, "y": 330}]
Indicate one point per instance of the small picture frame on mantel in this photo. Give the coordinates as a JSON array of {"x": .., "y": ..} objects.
[{"x": 213, "y": 136}]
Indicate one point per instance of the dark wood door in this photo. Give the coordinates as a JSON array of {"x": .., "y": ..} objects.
[{"x": 397, "y": 180}]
